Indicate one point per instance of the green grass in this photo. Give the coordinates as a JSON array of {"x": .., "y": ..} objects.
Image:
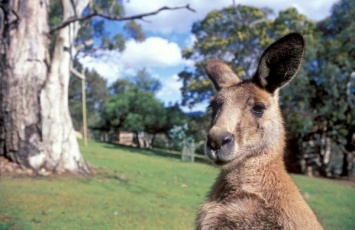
[{"x": 140, "y": 189}]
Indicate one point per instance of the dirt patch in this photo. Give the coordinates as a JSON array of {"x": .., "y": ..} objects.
[
  {"x": 10, "y": 168},
  {"x": 14, "y": 170},
  {"x": 7, "y": 223},
  {"x": 4, "y": 218}
]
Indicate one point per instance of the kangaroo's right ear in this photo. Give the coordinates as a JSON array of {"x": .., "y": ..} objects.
[
  {"x": 280, "y": 62},
  {"x": 221, "y": 75}
]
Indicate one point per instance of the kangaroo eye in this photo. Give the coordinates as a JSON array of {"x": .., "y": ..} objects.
[{"x": 258, "y": 109}]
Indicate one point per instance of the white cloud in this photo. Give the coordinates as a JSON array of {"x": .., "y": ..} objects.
[
  {"x": 190, "y": 41},
  {"x": 153, "y": 52},
  {"x": 171, "y": 90},
  {"x": 106, "y": 63},
  {"x": 180, "y": 21}
]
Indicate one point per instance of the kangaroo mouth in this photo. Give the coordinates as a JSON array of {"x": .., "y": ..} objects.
[
  {"x": 218, "y": 157},
  {"x": 220, "y": 162}
]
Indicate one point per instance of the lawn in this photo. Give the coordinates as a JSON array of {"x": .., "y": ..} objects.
[{"x": 140, "y": 189}]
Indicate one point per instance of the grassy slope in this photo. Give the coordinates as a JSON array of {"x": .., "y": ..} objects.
[{"x": 140, "y": 190}]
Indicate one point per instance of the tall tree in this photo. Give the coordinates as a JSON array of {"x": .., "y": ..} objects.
[
  {"x": 132, "y": 106},
  {"x": 235, "y": 35},
  {"x": 143, "y": 80},
  {"x": 36, "y": 128},
  {"x": 24, "y": 70},
  {"x": 135, "y": 110},
  {"x": 335, "y": 83}
]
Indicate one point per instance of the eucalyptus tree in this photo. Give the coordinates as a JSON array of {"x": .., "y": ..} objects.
[
  {"x": 335, "y": 82},
  {"x": 235, "y": 35}
]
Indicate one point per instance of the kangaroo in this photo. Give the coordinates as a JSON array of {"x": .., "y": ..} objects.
[{"x": 247, "y": 140}]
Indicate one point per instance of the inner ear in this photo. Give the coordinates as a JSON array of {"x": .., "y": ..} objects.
[
  {"x": 221, "y": 75},
  {"x": 280, "y": 62}
]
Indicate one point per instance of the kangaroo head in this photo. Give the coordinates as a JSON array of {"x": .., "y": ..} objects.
[{"x": 246, "y": 119}]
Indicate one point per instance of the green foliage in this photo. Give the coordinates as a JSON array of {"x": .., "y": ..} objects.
[
  {"x": 95, "y": 27},
  {"x": 119, "y": 86},
  {"x": 117, "y": 42},
  {"x": 178, "y": 135},
  {"x": 55, "y": 12},
  {"x": 110, "y": 7},
  {"x": 295, "y": 98},
  {"x": 135, "y": 30},
  {"x": 335, "y": 78},
  {"x": 132, "y": 106},
  {"x": 96, "y": 94},
  {"x": 137, "y": 110},
  {"x": 237, "y": 35},
  {"x": 144, "y": 81},
  {"x": 198, "y": 128},
  {"x": 234, "y": 35},
  {"x": 146, "y": 113},
  {"x": 141, "y": 189}
]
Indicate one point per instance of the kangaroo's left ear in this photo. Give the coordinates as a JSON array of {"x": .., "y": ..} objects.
[
  {"x": 280, "y": 62},
  {"x": 221, "y": 75}
]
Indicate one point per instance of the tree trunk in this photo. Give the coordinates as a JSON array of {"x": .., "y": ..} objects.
[
  {"x": 348, "y": 164},
  {"x": 144, "y": 139},
  {"x": 58, "y": 131},
  {"x": 23, "y": 73},
  {"x": 36, "y": 128},
  {"x": 348, "y": 154}
]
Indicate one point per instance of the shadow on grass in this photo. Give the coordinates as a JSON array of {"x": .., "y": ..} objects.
[{"x": 155, "y": 152}]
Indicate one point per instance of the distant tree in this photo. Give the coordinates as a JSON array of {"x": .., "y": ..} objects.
[
  {"x": 295, "y": 100},
  {"x": 119, "y": 86},
  {"x": 322, "y": 116},
  {"x": 144, "y": 81},
  {"x": 318, "y": 106},
  {"x": 146, "y": 113},
  {"x": 198, "y": 126},
  {"x": 132, "y": 106},
  {"x": 96, "y": 94},
  {"x": 334, "y": 82},
  {"x": 235, "y": 35},
  {"x": 133, "y": 110},
  {"x": 175, "y": 117}
]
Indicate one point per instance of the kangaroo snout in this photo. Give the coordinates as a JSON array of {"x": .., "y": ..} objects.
[
  {"x": 219, "y": 145},
  {"x": 216, "y": 139}
]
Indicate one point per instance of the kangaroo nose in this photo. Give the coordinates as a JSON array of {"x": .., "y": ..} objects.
[{"x": 219, "y": 139}]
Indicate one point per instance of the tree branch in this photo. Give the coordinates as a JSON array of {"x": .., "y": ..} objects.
[
  {"x": 77, "y": 74},
  {"x": 95, "y": 13},
  {"x": 84, "y": 44}
]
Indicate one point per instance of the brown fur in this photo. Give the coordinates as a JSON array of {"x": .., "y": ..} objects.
[{"x": 247, "y": 140}]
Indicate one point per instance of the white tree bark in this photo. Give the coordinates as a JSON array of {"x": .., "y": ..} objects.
[
  {"x": 62, "y": 148},
  {"x": 35, "y": 125},
  {"x": 23, "y": 73}
]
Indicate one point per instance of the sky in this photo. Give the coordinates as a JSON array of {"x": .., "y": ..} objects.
[{"x": 169, "y": 32}]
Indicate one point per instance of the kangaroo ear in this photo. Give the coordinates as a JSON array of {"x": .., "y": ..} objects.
[
  {"x": 280, "y": 62},
  {"x": 221, "y": 75}
]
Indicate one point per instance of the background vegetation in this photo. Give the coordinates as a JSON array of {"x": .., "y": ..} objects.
[{"x": 318, "y": 106}]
